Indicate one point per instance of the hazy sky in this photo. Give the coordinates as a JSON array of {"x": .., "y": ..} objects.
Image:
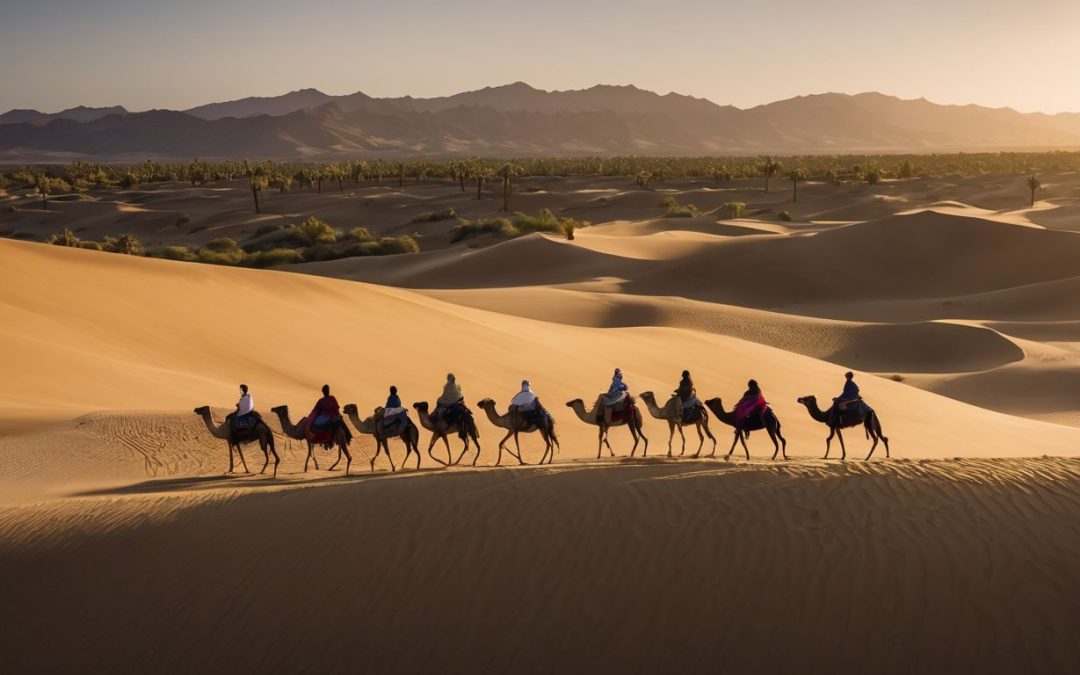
[{"x": 146, "y": 54}]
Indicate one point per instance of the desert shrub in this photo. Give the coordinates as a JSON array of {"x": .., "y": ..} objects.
[
  {"x": 128, "y": 180},
  {"x": 669, "y": 202},
  {"x": 65, "y": 238},
  {"x": 396, "y": 245},
  {"x": 785, "y": 216},
  {"x": 362, "y": 248},
  {"x": 127, "y": 244},
  {"x": 314, "y": 231},
  {"x": 445, "y": 214},
  {"x": 222, "y": 251},
  {"x": 91, "y": 245},
  {"x": 897, "y": 378},
  {"x": 873, "y": 176},
  {"x": 275, "y": 257},
  {"x": 319, "y": 252},
  {"x": 735, "y": 209},
  {"x": 360, "y": 234},
  {"x": 906, "y": 170},
  {"x": 543, "y": 221},
  {"x": 568, "y": 226},
  {"x": 174, "y": 253},
  {"x": 683, "y": 211},
  {"x": 472, "y": 228}
]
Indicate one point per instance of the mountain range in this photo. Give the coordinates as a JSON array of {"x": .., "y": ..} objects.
[{"x": 519, "y": 120}]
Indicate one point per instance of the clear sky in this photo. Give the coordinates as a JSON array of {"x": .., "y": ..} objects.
[{"x": 149, "y": 54}]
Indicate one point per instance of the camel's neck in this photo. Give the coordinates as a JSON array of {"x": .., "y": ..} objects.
[
  {"x": 721, "y": 414},
  {"x": 291, "y": 430},
  {"x": 425, "y": 419},
  {"x": 658, "y": 413},
  {"x": 586, "y": 417},
  {"x": 215, "y": 430},
  {"x": 363, "y": 426},
  {"x": 816, "y": 412},
  {"x": 495, "y": 418}
]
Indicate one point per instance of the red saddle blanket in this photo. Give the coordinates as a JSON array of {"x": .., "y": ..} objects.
[
  {"x": 628, "y": 412},
  {"x": 319, "y": 435}
]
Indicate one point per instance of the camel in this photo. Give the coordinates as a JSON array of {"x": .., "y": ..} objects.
[
  {"x": 443, "y": 430},
  {"x": 516, "y": 424},
  {"x": 768, "y": 421},
  {"x": 299, "y": 432},
  {"x": 372, "y": 426},
  {"x": 260, "y": 432},
  {"x": 596, "y": 418},
  {"x": 831, "y": 418},
  {"x": 672, "y": 412}
]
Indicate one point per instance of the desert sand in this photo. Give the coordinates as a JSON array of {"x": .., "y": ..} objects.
[{"x": 125, "y": 548}]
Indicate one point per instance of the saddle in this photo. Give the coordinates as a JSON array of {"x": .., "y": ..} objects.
[
  {"x": 242, "y": 428},
  {"x": 851, "y": 412},
  {"x": 692, "y": 415},
  {"x": 455, "y": 414},
  {"x": 625, "y": 408},
  {"x": 321, "y": 430}
]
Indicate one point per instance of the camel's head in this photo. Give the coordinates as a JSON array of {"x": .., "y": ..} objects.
[
  {"x": 714, "y": 402},
  {"x": 485, "y": 404},
  {"x": 202, "y": 410},
  {"x": 806, "y": 400},
  {"x": 576, "y": 401},
  {"x": 349, "y": 409},
  {"x": 421, "y": 406},
  {"x": 280, "y": 410},
  {"x": 648, "y": 396}
]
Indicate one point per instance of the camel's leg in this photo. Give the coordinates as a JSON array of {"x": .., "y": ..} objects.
[
  {"x": 230, "y": 460},
  {"x": 498, "y": 460},
  {"x": 783, "y": 441},
  {"x": 266, "y": 456},
  {"x": 416, "y": 449},
  {"x": 476, "y": 439},
  {"x": 240, "y": 452},
  {"x": 599, "y": 445},
  {"x": 386, "y": 449},
  {"x": 517, "y": 445},
  {"x": 378, "y": 449},
  {"x": 742, "y": 439},
  {"x": 277, "y": 460},
  {"x": 772, "y": 437},
  {"x": 843, "y": 450},
  {"x": 701, "y": 440},
  {"x": 431, "y": 445},
  {"x": 641, "y": 432},
  {"x": 734, "y": 442},
  {"x": 348, "y": 458},
  {"x": 633, "y": 434},
  {"x": 828, "y": 441},
  {"x": 336, "y": 461},
  {"x": 670, "y": 438},
  {"x": 683, "y": 437}
]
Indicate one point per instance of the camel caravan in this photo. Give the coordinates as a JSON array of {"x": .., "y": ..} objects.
[{"x": 325, "y": 426}]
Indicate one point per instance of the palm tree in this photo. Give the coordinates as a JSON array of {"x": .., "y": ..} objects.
[
  {"x": 256, "y": 174},
  {"x": 480, "y": 171},
  {"x": 507, "y": 173},
  {"x": 1033, "y": 184},
  {"x": 769, "y": 168},
  {"x": 795, "y": 175}
]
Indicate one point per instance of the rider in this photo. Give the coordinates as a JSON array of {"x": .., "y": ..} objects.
[
  {"x": 850, "y": 393},
  {"x": 326, "y": 411},
  {"x": 451, "y": 398},
  {"x": 615, "y": 393},
  {"x": 687, "y": 393},
  {"x": 393, "y": 408},
  {"x": 526, "y": 402},
  {"x": 245, "y": 408},
  {"x": 752, "y": 403}
]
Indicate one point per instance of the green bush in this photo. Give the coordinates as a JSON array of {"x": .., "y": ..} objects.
[
  {"x": 473, "y": 228},
  {"x": 127, "y": 244},
  {"x": 396, "y": 245},
  {"x": 687, "y": 211},
  {"x": 65, "y": 238},
  {"x": 360, "y": 234},
  {"x": 175, "y": 253},
  {"x": 275, "y": 257},
  {"x": 314, "y": 231},
  {"x": 519, "y": 224},
  {"x": 735, "y": 209},
  {"x": 91, "y": 245},
  {"x": 785, "y": 216},
  {"x": 670, "y": 202}
]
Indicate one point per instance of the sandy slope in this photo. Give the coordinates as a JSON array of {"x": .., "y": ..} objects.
[
  {"x": 899, "y": 567},
  {"x": 157, "y": 335}
]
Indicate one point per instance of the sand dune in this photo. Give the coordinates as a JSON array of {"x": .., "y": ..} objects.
[{"x": 943, "y": 566}]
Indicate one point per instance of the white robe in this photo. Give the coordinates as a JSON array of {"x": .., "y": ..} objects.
[{"x": 245, "y": 406}]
